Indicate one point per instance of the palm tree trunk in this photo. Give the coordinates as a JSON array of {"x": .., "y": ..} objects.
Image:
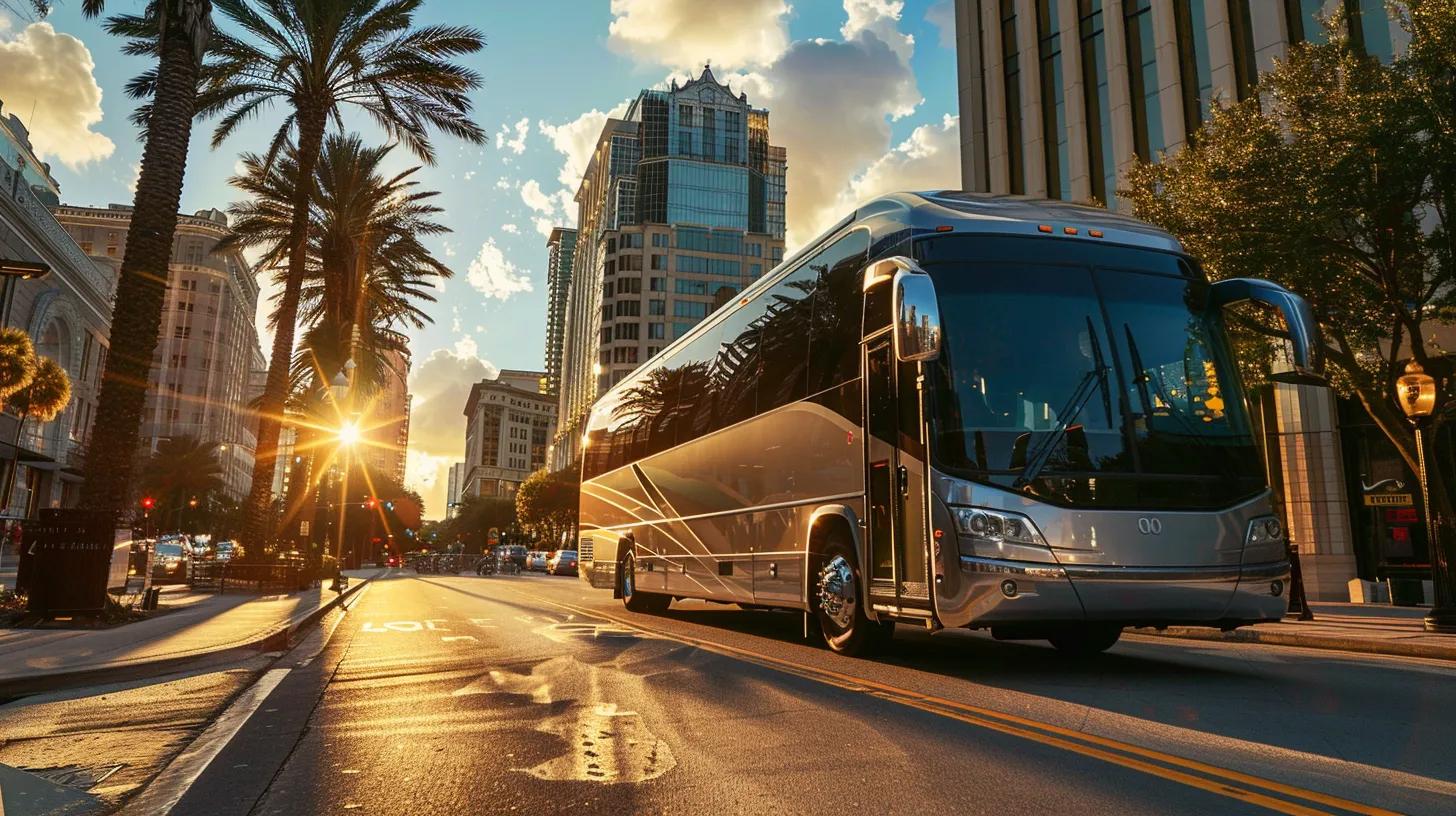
[
  {"x": 257, "y": 518},
  {"x": 141, "y": 289}
]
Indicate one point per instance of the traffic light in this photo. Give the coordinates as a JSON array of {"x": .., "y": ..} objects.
[
  {"x": 370, "y": 503},
  {"x": 148, "y": 503}
]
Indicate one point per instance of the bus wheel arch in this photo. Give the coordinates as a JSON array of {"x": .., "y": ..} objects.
[
  {"x": 635, "y": 600},
  {"x": 834, "y": 586}
]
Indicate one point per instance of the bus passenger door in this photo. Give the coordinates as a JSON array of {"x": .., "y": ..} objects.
[{"x": 895, "y": 479}]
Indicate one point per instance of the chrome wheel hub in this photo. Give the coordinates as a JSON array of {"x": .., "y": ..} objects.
[{"x": 837, "y": 595}]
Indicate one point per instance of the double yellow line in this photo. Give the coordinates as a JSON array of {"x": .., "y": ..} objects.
[{"x": 1254, "y": 790}]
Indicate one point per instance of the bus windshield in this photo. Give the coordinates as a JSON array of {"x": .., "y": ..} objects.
[{"x": 1089, "y": 385}]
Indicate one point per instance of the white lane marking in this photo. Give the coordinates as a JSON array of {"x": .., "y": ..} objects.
[
  {"x": 444, "y": 639},
  {"x": 431, "y": 624},
  {"x": 158, "y": 798}
]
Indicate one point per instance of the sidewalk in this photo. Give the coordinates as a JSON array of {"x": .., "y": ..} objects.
[
  {"x": 198, "y": 624},
  {"x": 1367, "y": 628}
]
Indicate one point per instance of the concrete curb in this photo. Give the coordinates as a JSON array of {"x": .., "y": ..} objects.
[
  {"x": 272, "y": 640},
  {"x": 1311, "y": 640}
]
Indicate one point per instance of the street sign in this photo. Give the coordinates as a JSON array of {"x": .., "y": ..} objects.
[
  {"x": 1389, "y": 500},
  {"x": 68, "y": 556}
]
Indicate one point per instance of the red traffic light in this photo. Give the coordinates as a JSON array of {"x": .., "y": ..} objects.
[
  {"x": 148, "y": 503},
  {"x": 371, "y": 502}
]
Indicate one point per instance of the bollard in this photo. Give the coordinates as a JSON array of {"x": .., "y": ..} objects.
[{"x": 1298, "y": 601}]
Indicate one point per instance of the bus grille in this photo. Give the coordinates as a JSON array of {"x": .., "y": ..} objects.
[{"x": 584, "y": 549}]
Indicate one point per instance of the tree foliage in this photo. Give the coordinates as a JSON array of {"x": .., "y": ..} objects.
[
  {"x": 546, "y": 504},
  {"x": 471, "y": 523},
  {"x": 1337, "y": 181}
]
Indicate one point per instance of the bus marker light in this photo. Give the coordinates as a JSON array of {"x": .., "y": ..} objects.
[
  {"x": 939, "y": 534},
  {"x": 944, "y": 228},
  {"x": 849, "y": 438},
  {"x": 1070, "y": 230},
  {"x": 1095, "y": 233},
  {"x": 1047, "y": 228}
]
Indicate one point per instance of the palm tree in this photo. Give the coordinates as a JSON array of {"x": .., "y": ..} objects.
[
  {"x": 178, "y": 36},
  {"x": 182, "y": 471},
  {"x": 318, "y": 57}
]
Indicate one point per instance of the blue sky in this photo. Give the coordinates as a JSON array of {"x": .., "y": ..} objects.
[{"x": 859, "y": 91}]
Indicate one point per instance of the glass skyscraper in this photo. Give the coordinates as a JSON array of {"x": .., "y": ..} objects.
[{"x": 681, "y": 206}]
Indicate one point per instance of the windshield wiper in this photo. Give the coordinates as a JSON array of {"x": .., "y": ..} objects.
[
  {"x": 1074, "y": 406},
  {"x": 1143, "y": 379}
]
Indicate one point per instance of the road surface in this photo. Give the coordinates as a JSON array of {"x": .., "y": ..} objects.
[{"x": 533, "y": 694}]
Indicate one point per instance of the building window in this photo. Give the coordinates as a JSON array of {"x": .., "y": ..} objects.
[
  {"x": 685, "y": 116},
  {"x": 657, "y": 307},
  {"x": 1011, "y": 71},
  {"x": 625, "y": 331},
  {"x": 1053, "y": 102},
  {"x": 656, "y": 331},
  {"x": 1101, "y": 167},
  {"x": 657, "y": 284},
  {"x": 1194, "y": 73},
  {"x": 690, "y": 309},
  {"x": 629, "y": 308},
  {"x": 631, "y": 286},
  {"x": 1142, "y": 74},
  {"x": 1241, "y": 37},
  {"x": 659, "y": 239},
  {"x": 659, "y": 262}
]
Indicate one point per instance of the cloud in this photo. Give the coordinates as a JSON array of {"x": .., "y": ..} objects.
[
  {"x": 466, "y": 347},
  {"x": 543, "y": 225},
  {"x": 557, "y": 209},
  {"x": 535, "y": 199},
  {"x": 46, "y": 78},
  {"x": 440, "y": 386},
  {"x": 511, "y": 228},
  {"x": 683, "y": 33},
  {"x": 941, "y": 14},
  {"x": 136, "y": 176},
  {"x": 881, "y": 19},
  {"x": 517, "y": 143},
  {"x": 494, "y": 276},
  {"x": 929, "y": 159},
  {"x": 575, "y": 140},
  {"x": 503, "y": 183}
]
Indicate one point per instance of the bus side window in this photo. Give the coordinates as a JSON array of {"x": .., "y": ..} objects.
[
  {"x": 786, "y": 340},
  {"x": 834, "y": 340}
]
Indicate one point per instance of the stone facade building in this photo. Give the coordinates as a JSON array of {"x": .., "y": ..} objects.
[{"x": 509, "y": 423}]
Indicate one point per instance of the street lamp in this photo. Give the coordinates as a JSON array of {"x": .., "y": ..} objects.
[{"x": 1416, "y": 393}]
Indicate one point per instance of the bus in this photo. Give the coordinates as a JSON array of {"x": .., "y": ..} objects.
[{"x": 952, "y": 410}]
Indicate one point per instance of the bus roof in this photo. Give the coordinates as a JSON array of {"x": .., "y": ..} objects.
[{"x": 931, "y": 212}]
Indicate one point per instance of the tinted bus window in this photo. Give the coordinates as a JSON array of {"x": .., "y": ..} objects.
[
  {"x": 785, "y": 331},
  {"x": 834, "y": 334},
  {"x": 736, "y": 368}
]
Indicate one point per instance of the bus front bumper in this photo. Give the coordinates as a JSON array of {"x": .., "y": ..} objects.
[{"x": 1018, "y": 592}]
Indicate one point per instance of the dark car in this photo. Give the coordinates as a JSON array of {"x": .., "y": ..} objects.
[
  {"x": 169, "y": 562},
  {"x": 515, "y": 552},
  {"x": 562, "y": 562}
]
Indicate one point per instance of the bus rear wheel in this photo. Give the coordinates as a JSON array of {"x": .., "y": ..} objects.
[
  {"x": 836, "y": 602},
  {"x": 1087, "y": 640},
  {"x": 649, "y": 603}
]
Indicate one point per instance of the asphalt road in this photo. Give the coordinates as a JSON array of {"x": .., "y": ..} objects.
[{"x": 531, "y": 694}]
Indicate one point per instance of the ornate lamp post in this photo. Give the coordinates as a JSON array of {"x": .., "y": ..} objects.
[{"x": 1416, "y": 393}]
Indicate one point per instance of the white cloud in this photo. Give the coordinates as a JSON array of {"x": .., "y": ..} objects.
[
  {"x": 494, "y": 276},
  {"x": 469, "y": 174},
  {"x": 511, "y": 228},
  {"x": 515, "y": 143},
  {"x": 46, "y": 78},
  {"x": 881, "y": 19},
  {"x": 535, "y": 199},
  {"x": 465, "y": 347},
  {"x": 543, "y": 225},
  {"x": 136, "y": 176},
  {"x": 503, "y": 183},
  {"x": 929, "y": 159},
  {"x": 440, "y": 385},
  {"x": 575, "y": 140},
  {"x": 941, "y": 14},
  {"x": 683, "y": 33}
]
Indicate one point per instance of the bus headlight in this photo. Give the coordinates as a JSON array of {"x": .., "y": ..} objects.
[
  {"x": 991, "y": 531},
  {"x": 1265, "y": 530}
]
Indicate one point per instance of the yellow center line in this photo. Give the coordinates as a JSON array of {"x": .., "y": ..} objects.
[{"x": 1091, "y": 745}]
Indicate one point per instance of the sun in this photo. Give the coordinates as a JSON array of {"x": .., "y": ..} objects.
[{"x": 348, "y": 434}]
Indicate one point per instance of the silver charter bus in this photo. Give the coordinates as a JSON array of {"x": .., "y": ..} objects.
[{"x": 954, "y": 410}]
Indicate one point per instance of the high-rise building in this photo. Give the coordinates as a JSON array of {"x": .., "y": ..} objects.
[
  {"x": 387, "y": 427},
  {"x": 509, "y": 422},
  {"x": 561, "y": 248},
  {"x": 1059, "y": 98},
  {"x": 65, "y": 307},
  {"x": 208, "y": 348},
  {"x": 455, "y": 487},
  {"x": 680, "y": 207}
]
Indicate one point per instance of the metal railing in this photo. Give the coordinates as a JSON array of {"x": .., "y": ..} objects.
[{"x": 218, "y": 576}]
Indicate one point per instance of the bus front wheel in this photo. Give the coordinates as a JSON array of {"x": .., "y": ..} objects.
[
  {"x": 837, "y": 607},
  {"x": 635, "y": 600},
  {"x": 1085, "y": 641}
]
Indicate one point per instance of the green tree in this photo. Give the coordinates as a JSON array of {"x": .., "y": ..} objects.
[
  {"x": 318, "y": 57},
  {"x": 175, "y": 33},
  {"x": 472, "y": 522},
  {"x": 1338, "y": 181},
  {"x": 546, "y": 504}
]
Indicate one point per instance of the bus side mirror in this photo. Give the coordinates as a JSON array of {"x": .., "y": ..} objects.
[
  {"x": 1304, "y": 333},
  {"x": 917, "y": 317}
]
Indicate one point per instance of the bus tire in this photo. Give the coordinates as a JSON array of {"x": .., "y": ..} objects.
[
  {"x": 836, "y": 602},
  {"x": 1087, "y": 640},
  {"x": 649, "y": 603}
]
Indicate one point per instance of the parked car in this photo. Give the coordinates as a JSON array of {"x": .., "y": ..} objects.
[
  {"x": 392, "y": 561},
  {"x": 563, "y": 562},
  {"x": 169, "y": 562},
  {"x": 516, "y": 552},
  {"x": 536, "y": 560}
]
